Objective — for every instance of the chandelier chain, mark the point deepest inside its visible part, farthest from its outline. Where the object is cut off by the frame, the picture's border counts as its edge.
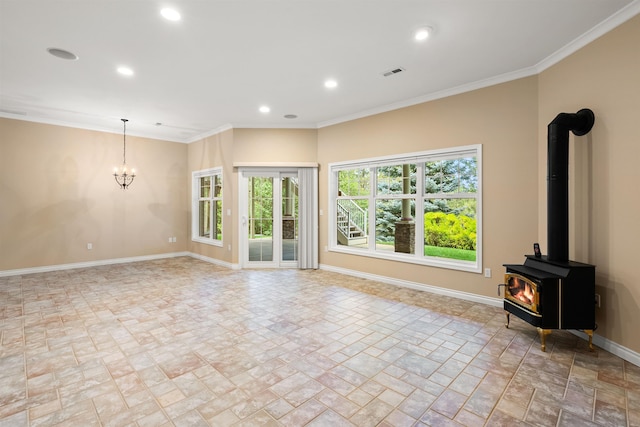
(123, 177)
(124, 141)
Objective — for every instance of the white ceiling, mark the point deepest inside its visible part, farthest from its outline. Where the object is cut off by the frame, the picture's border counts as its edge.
(224, 59)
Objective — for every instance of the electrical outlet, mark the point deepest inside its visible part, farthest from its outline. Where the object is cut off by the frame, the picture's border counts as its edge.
(487, 272)
(89, 246)
(597, 300)
(170, 240)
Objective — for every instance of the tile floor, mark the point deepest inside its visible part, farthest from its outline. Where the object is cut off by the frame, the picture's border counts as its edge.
(180, 342)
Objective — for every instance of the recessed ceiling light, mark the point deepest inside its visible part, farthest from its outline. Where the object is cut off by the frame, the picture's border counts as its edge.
(422, 33)
(330, 84)
(290, 116)
(125, 71)
(170, 14)
(62, 54)
(265, 109)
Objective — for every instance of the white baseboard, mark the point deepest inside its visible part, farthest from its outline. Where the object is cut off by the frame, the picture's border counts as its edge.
(495, 302)
(58, 267)
(612, 347)
(71, 266)
(214, 261)
(605, 344)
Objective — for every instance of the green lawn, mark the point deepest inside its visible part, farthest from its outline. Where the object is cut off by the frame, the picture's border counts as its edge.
(436, 251)
(461, 254)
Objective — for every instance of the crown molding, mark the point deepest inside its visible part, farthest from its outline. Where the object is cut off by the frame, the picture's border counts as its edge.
(615, 20)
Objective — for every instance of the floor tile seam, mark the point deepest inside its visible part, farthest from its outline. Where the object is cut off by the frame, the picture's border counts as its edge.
(95, 412)
(146, 389)
(530, 404)
(62, 409)
(566, 390)
(141, 381)
(28, 412)
(592, 419)
(513, 376)
(627, 409)
(560, 408)
(467, 397)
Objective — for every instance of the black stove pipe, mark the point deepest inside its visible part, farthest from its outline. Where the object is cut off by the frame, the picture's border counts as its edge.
(580, 124)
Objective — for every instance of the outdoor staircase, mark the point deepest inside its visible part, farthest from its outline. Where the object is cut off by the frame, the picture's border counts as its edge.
(350, 226)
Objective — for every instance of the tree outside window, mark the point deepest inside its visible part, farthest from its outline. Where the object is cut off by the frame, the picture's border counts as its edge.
(383, 209)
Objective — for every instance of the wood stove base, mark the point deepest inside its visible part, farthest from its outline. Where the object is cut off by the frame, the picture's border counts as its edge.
(544, 332)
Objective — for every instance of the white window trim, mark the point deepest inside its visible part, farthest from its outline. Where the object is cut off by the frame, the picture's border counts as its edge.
(195, 208)
(440, 154)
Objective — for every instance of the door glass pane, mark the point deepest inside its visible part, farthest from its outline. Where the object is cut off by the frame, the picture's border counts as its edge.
(260, 219)
(289, 218)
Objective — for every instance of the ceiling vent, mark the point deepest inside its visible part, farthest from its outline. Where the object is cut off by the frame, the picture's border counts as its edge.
(392, 72)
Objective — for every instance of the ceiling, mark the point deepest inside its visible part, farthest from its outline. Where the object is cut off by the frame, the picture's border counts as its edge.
(224, 59)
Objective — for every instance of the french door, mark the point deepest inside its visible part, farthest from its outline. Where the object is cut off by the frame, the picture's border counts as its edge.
(269, 232)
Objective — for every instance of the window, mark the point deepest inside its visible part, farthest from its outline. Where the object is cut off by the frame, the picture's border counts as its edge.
(206, 222)
(422, 208)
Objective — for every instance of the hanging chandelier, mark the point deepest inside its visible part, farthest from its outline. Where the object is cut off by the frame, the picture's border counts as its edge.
(122, 176)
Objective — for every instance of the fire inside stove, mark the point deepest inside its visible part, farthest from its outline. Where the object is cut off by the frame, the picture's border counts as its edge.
(522, 291)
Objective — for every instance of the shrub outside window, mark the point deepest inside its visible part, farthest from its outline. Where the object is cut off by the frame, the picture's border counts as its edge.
(206, 223)
(422, 208)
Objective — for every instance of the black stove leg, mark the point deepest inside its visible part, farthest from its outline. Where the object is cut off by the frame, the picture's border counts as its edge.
(543, 338)
(506, 325)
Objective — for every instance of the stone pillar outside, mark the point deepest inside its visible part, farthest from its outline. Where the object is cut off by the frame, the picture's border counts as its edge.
(288, 228)
(405, 237)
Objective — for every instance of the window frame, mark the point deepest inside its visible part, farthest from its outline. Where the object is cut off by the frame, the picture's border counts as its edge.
(419, 197)
(195, 205)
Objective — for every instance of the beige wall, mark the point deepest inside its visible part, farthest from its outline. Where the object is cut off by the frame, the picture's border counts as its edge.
(216, 151)
(275, 145)
(57, 194)
(504, 120)
(245, 146)
(604, 172)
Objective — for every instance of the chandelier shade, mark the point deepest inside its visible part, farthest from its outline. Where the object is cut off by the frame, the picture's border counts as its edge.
(122, 175)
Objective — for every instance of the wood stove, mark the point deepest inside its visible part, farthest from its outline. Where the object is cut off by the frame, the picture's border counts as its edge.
(552, 295)
(552, 292)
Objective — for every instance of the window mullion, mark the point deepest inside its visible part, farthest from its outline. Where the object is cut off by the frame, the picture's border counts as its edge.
(372, 208)
(419, 219)
(212, 224)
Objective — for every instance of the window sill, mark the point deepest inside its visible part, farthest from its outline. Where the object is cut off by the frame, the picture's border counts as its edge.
(468, 266)
(207, 241)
